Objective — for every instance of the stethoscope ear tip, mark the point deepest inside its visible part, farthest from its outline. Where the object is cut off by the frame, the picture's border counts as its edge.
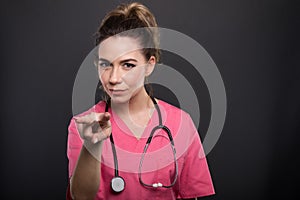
(156, 185)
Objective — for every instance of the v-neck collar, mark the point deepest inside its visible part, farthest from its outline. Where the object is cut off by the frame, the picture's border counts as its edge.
(120, 126)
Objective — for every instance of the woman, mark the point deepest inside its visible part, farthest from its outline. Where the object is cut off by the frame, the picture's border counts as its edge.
(140, 160)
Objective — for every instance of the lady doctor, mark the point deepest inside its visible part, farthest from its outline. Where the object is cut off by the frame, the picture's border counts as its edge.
(110, 156)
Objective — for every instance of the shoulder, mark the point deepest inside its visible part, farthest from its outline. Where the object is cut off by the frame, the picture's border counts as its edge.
(98, 107)
(171, 109)
(176, 119)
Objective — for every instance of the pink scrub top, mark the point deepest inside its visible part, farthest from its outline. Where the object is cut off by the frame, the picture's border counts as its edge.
(193, 179)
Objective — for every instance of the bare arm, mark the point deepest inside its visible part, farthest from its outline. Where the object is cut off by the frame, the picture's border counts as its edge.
(85, 181)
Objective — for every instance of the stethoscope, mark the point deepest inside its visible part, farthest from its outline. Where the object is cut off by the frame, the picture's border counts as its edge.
(117, 182)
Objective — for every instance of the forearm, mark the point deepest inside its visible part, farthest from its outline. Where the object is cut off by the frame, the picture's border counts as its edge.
(86, 178)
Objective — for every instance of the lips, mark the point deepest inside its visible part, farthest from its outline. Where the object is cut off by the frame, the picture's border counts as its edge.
(116, 91)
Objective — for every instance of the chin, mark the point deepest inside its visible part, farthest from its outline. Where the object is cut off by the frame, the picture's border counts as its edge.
(119, 99)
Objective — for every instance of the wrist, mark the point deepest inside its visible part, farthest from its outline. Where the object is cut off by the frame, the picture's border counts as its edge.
(95, 149)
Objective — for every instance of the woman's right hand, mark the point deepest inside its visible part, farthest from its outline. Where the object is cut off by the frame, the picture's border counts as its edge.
(94, 127)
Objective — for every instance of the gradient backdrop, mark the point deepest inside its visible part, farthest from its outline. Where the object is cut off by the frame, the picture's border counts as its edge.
(254, 43)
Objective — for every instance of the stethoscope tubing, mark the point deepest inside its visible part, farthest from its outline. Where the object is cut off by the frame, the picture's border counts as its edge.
(160, 126)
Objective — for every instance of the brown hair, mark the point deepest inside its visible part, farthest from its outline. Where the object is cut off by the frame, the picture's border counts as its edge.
(136, 17)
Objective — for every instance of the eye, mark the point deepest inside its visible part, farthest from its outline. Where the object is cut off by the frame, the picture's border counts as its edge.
(128, 65)
(104, 65)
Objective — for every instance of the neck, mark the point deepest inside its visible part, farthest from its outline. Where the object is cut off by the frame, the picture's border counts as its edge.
(136, 113)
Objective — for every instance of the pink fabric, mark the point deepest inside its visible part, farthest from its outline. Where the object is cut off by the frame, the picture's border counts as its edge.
(194, 178)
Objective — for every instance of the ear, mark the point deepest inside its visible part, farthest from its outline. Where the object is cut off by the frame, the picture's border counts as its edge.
(150, 65)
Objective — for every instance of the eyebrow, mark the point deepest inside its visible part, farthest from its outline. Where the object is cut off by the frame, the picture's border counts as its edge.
(122, 61)
(103, 60)
(128, 60)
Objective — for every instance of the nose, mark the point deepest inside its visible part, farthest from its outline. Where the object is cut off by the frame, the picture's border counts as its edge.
(115, 76)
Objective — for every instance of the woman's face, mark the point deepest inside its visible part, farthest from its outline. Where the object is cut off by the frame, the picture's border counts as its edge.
(122, 67)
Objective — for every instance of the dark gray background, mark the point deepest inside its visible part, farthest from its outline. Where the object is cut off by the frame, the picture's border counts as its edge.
(255, 44)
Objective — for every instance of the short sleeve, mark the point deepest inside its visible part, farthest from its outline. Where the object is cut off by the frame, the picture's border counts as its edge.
(195, 179)
(74, 146)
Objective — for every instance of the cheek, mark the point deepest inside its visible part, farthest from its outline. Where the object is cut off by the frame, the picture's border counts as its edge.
(135, 77)
(104, 77)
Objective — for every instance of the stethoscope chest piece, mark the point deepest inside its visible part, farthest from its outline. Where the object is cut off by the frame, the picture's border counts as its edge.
(117, 184)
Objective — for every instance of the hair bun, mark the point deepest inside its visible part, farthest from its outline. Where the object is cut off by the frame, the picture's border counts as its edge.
(138, 11)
